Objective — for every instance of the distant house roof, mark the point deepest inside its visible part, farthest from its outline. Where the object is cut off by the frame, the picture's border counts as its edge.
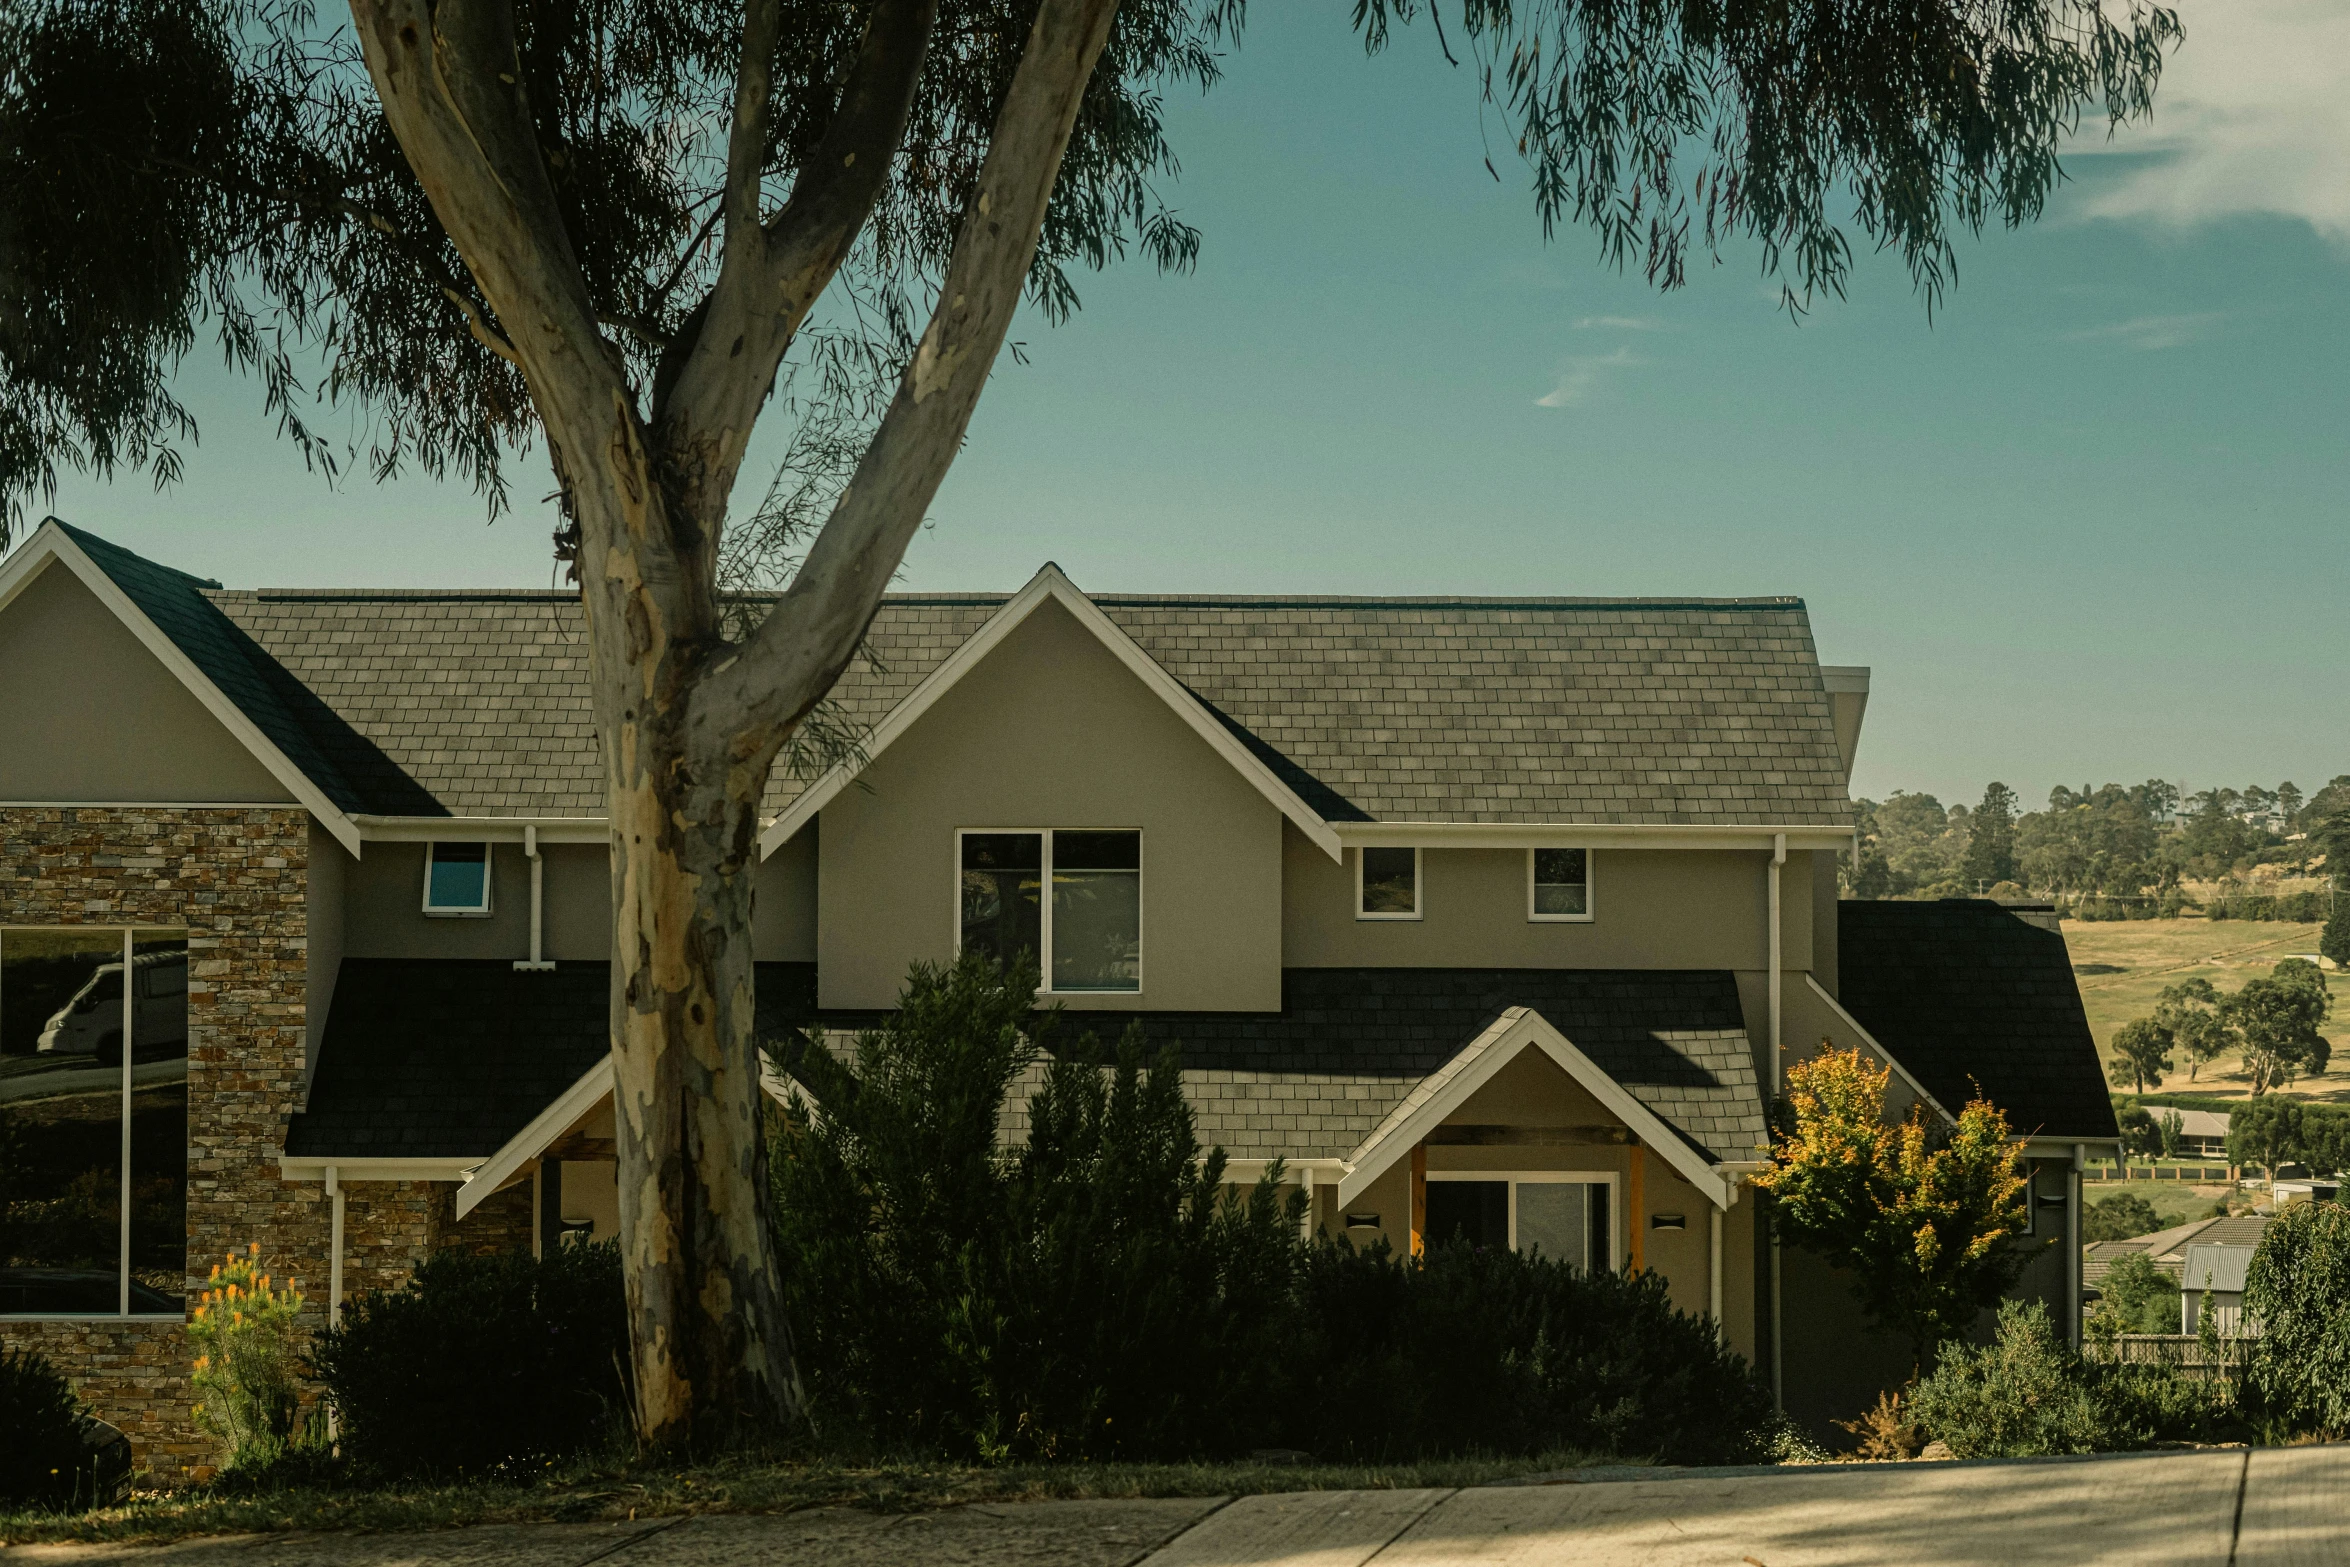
(2220, 1268)
(1587, 711)
(2168, 1248)
(2198, 1123)
(1972, 999)
(444, 1058)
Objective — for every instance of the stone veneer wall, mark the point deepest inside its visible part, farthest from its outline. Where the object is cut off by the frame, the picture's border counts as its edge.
(235, 878)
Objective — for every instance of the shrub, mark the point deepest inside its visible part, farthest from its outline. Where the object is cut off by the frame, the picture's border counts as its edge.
(2027, 1394)
(44, 1460)
(481, 1363)
(2121, 1217)
(1091, 1294)
(2135, 1296)
(2299, 1291)
(243, 1332)
(1494, 1351)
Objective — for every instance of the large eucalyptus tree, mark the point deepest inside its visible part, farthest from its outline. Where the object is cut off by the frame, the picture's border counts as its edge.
(630, 228)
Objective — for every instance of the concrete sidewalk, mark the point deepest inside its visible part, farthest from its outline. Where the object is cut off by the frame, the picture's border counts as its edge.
(2279, 1507)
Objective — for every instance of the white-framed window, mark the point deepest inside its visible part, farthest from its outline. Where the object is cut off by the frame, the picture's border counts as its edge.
(1558, 884)
(93, 1121)
(1387, 884)
(1086, 934)
(1567, 1215)
(457, 879)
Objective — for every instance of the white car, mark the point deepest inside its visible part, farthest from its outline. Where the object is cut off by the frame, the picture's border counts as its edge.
(91, 1023)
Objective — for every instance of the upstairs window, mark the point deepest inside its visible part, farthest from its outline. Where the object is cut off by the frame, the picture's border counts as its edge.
(457, 878)
(1387, 884)
(1087, 935)
(1559, 884)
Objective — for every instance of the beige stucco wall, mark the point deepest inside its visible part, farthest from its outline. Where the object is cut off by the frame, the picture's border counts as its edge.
(1051, 731)
(1823, 917)
(90, 716)
(783, 912)
(384, 906)
(1653, 908)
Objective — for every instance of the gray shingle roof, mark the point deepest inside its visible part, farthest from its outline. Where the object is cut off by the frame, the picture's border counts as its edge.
(1317, 1078)
(447, 1058)
(1489, 710)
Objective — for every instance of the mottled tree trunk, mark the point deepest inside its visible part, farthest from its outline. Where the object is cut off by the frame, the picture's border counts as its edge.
(690, 722)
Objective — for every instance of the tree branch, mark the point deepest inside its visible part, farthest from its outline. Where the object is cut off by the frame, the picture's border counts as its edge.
(800, 650)
(772, 273)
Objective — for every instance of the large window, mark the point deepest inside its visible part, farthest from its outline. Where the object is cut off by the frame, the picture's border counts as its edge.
(457, 878)
(1568, 1217)
(1387, 884)
(93, 1122)
(1086, 934)
(1558, 884)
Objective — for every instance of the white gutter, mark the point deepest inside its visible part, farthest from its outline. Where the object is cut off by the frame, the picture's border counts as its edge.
(538, 870)
(483, 829)
(1595, 835)
(1778, 1326)
(334, 1249)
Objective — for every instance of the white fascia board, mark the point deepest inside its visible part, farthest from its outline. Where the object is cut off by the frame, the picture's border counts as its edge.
(1510, 1035)
(51, 544)
(1845, 679)
(1878, 1050)
(374, 1169)
(1049, 583)
(594, 1084)
(483, 829)
(1584, 835)
(1238, 1172)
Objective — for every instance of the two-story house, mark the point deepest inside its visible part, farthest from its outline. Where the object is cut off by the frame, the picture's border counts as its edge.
(1486, 918)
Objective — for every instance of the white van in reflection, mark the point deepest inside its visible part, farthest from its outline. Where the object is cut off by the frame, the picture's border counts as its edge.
(91, 1023)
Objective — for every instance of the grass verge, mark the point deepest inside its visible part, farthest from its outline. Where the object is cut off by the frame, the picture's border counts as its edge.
(608, 1492)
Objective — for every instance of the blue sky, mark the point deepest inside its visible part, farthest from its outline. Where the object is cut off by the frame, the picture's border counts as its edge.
(2085, 524)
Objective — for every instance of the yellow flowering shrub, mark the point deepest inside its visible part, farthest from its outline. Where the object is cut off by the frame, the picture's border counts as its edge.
(243, 1329)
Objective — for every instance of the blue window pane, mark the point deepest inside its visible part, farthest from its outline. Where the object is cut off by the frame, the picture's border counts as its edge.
(459, 878)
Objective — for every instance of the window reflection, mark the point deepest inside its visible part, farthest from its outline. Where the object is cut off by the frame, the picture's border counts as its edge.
(69, 1068)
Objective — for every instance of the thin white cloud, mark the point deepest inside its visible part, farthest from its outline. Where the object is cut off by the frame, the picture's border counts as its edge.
(2152, 332)
(1583, 376)
(1618, 324)
(2253, 116)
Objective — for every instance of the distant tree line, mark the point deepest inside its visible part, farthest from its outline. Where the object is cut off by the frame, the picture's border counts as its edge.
(2110, 850)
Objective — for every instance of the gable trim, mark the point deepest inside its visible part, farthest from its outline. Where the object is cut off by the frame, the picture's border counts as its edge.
(51, 545)
(1049, 583)
(491, 1174)
(1587, 835)
(1503, 1041)
(1888, 1057)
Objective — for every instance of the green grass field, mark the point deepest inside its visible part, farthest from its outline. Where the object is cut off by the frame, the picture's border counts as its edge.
(2140, 957)
(2173, 1202)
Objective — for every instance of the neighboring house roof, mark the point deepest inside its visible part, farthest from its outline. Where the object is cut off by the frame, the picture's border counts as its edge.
(1974, 1000)
(1316, 1079)
(1528, 710)
(446, 1058)
(2220, 1268)
(2168, 1248)
(2196, 1123)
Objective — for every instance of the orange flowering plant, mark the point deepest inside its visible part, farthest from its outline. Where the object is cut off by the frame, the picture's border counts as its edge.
(1915, 1211)
(243, 1331)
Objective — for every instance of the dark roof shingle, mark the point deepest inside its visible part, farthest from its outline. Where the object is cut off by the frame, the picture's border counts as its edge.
(1967, 994)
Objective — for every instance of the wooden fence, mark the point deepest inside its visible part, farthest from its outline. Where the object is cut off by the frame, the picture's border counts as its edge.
(2185, 1352)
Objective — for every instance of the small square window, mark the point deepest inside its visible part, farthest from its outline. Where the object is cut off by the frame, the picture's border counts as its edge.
(1387, 884)
(1559, 884)
(457, 878)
